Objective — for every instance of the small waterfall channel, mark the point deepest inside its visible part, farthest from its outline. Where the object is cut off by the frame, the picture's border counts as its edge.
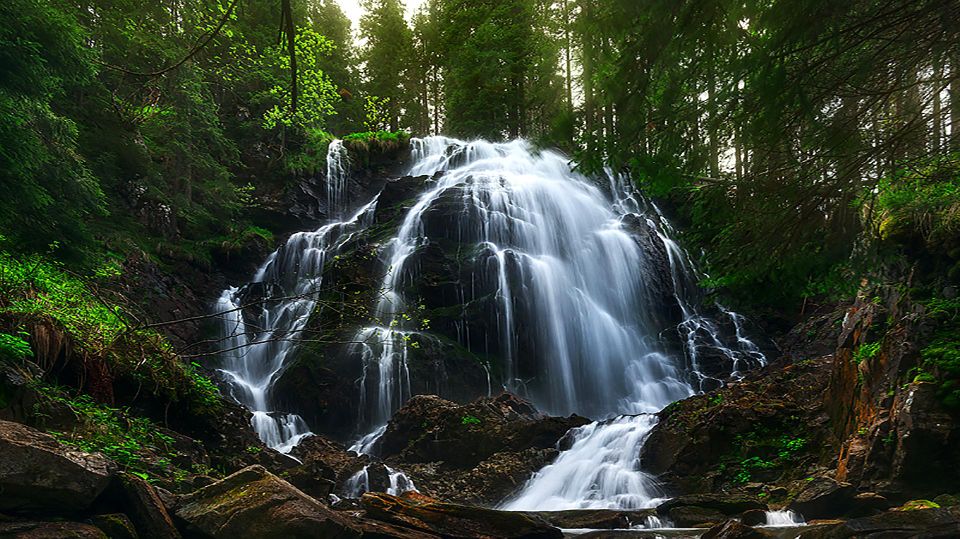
(262, 322)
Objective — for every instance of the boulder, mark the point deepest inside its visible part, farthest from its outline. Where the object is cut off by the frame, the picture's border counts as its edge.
(115, 526)
(146, 509)
(430, 429)
(727, 504)
(255, 503)
(695, 516)
(37, 473)
(50, 530)
(456, 521)
(868, 503)
(734, 529)
(823, 497)
(754, 517)
(488, 483)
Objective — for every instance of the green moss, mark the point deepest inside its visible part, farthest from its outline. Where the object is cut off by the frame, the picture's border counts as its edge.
(914, 505)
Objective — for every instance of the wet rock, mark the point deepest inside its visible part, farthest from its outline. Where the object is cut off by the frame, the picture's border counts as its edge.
(398, 190)
(696, 440)
(50, 530)
(322, 450)
(868, 503)
(599, 519)
(456, 521)
(146, 509)
(326, 466)
(726, 504)
(37, 473)
(823, 497)
(926, 523)
(733, 529)
(255, 503)
(754, 517)
(487, 483)
(694, 516)
(430, 429)
(115, 526)
(947, 500)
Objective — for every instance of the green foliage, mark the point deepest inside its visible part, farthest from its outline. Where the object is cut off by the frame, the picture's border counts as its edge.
(312, 156)
(135, 443)
(317, 94)
(921, 202)
(375, 112)
(763, 450)
(48, 193)
(387, 54)
(866, 352)
(940, 358)
(499, 65)
(14, 347)
(469, 420)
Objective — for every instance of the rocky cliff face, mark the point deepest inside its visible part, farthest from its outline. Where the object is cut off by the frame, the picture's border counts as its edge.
(846, 416)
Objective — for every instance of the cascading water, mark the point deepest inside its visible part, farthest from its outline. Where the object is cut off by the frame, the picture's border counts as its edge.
(576, 294)
(262, 322)
(582, 286)
(782, 519)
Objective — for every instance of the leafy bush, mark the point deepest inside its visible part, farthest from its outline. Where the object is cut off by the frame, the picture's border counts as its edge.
(940, 358)
(866, 352)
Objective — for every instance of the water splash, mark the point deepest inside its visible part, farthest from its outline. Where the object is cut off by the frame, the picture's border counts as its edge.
(784, 518)
(397, 482)
(599, 471)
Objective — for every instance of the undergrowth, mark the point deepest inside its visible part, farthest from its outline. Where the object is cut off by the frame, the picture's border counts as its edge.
(38, 292)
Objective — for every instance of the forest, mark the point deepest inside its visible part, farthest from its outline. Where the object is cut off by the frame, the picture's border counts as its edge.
(382, 262)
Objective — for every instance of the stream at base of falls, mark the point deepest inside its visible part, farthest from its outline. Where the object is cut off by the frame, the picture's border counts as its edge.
(595, 311)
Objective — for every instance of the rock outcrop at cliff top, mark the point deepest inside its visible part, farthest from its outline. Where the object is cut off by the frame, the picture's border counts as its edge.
(473, 453)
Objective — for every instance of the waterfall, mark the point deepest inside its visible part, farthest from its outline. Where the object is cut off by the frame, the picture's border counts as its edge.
(262, 322)
(574, 288)
(338, 163)
(555, 250)
(358, 483)
(592, 308)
